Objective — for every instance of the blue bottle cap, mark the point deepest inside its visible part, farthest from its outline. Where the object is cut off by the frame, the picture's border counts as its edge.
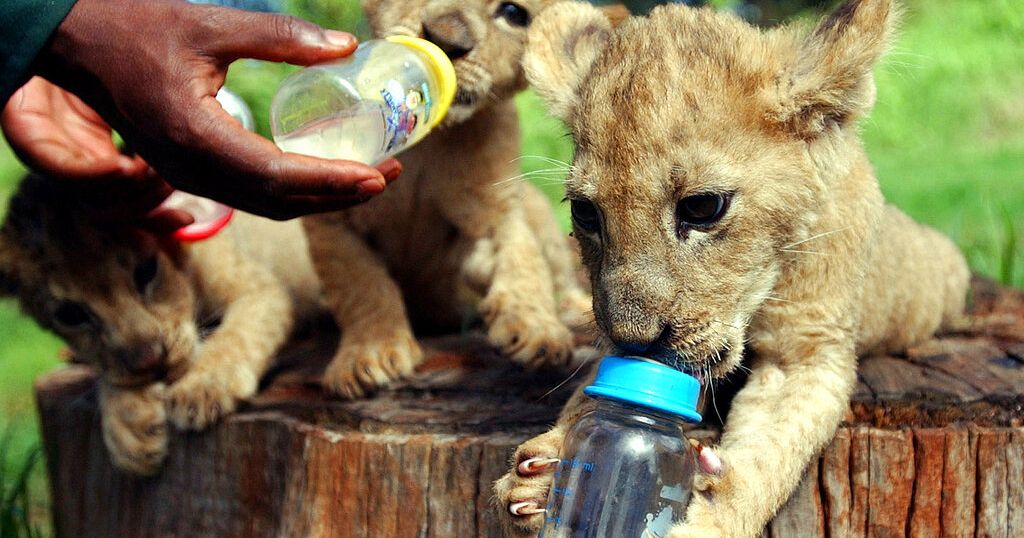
(648, 384)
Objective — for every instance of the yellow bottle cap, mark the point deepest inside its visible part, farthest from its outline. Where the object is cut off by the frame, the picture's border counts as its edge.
(442, 68)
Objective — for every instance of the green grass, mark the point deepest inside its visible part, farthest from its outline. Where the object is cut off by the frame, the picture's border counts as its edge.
(946, 138)
(546, 143)
(19, 510)
(26, 351)
(947, 133)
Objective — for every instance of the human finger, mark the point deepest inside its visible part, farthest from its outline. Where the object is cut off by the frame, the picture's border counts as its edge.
(231, 34)
(254, 167)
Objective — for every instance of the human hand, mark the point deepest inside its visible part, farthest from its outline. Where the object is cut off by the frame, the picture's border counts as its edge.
(152, 69)
(57, 134)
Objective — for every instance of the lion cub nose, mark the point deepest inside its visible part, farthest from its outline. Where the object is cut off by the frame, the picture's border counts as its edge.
(642, 341)
(144, 358)
(451, 33)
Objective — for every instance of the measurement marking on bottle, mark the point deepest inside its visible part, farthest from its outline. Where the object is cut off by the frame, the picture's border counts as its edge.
(587, 466)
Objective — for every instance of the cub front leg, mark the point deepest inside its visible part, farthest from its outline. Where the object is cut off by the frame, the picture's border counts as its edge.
(258, 315)
(521, 495)
(786, 413)
(134, 425)
(519, 305)
(377, 342)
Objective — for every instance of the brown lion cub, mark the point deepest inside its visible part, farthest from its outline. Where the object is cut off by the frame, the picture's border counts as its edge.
(452, 238)
(721, 196)
(134, 305)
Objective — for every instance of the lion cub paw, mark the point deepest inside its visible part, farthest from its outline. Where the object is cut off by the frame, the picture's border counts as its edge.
(362, 367)
(702, 521)
(527, 334)
(135, 428)
(521, 495)
(687, 530)
(202, 397)
(706, 516)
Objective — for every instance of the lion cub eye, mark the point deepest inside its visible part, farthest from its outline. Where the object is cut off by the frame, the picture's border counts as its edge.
(515, 14)
(145, 273)
(73, 315)
(585, 215)
(701, 210)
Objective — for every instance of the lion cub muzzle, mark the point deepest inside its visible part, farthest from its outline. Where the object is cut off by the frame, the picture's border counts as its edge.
(450, 32)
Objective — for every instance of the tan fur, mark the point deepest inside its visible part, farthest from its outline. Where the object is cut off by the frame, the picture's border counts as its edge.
(808, 266)
(452, 238)
(255, 277)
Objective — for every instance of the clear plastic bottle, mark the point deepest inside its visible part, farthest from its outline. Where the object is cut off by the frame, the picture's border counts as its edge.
(371, 105)
(626, 467)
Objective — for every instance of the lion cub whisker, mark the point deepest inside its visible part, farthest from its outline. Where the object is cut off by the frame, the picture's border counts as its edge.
(558, 173)
(544, 158)
(816, 236)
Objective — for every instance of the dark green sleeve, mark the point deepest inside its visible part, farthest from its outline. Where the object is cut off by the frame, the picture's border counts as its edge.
(25, 27)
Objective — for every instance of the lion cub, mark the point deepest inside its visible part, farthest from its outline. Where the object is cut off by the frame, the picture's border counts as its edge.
(135, 306)
(721, 197)
(452, 238)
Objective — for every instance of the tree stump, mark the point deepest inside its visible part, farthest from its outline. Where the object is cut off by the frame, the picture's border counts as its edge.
(933, 446)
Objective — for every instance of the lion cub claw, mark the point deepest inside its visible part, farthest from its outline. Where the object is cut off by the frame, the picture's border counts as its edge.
(135, 427)
(522, 493)
(362, 367)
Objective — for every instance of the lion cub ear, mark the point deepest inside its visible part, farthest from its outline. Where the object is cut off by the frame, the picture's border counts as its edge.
(564, 41)
(831, 82)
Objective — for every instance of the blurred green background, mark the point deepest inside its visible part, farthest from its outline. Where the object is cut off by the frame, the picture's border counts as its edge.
(946, 137)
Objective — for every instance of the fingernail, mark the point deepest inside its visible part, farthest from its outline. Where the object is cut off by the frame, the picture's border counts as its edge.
(525, 508)
(127, 166)
(370, 186)
(390, 170)
(341, 39)
(533, 466)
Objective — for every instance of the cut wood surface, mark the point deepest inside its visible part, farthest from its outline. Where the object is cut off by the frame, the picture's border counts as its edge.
(933, 445)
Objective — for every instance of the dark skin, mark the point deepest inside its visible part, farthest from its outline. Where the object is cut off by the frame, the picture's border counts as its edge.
(151, 70)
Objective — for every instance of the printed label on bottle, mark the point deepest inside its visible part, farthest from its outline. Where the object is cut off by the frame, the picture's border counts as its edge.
(401, 118)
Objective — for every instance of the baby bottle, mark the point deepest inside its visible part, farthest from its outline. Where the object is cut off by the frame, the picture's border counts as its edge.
(626, 468)
(371, 105)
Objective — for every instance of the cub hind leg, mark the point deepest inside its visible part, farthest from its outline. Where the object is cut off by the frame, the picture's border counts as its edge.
(916, 285)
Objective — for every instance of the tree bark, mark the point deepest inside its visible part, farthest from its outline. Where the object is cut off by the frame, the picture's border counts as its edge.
(933, 446)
